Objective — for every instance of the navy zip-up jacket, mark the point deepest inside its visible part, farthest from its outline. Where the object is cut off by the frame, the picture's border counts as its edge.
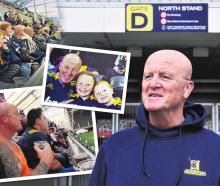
(185, 155)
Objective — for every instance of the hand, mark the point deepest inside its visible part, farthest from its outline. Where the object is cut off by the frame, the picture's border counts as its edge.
(116, 69)
(46, 155)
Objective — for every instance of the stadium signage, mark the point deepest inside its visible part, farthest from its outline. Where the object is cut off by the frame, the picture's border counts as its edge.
(167, 17)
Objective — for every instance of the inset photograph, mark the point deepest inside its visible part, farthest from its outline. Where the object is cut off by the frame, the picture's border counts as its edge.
(85, 78)
(23, 40)
(43, 141)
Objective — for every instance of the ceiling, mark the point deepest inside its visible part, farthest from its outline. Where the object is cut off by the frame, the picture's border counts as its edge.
(143, 39)
(149, 42)
(24, 99)
(205, 69)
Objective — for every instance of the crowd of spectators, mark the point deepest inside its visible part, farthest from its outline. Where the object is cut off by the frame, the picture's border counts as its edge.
(17, 7)
(104, 125)
(22, 46)
(38, 128)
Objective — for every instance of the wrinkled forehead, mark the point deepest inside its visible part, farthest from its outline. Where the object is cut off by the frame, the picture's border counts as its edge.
(169, 60)
(8, 108)
(70, 62)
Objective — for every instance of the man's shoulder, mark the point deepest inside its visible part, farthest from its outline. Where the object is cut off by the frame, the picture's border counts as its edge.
(52, 75)
(122, 138)
(211, 135)
(10, 163)
(205, 138)
(32, 134)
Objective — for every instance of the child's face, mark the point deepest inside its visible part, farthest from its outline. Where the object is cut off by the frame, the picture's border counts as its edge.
(103, 93)
(84, 85)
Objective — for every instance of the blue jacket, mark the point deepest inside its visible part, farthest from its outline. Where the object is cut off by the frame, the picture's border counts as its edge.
(57, 92)
(26, 143)
(185, 155)
(77, 100)
(116, 105)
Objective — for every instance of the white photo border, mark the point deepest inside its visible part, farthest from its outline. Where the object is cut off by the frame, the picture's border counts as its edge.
(127, 54)
(56, 175)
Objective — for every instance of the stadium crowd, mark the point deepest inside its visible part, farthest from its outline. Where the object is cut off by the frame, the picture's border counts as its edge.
(20, 138)
(22, 46)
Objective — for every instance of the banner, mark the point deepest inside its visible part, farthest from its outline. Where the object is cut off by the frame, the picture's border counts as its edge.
(167, 17)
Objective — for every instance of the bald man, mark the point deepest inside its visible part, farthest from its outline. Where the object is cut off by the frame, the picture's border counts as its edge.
(60, 84)
(12, 158)
(169, 146)
(32, 47)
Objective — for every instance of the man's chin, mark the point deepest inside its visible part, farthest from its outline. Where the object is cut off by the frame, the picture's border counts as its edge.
(18, 129)
(152, 108)
(65, 81)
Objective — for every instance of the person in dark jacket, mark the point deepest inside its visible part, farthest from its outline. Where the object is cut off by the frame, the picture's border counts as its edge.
(60, 85)
(36, 131)
(8, 69)
(13, 54)
(169, 146)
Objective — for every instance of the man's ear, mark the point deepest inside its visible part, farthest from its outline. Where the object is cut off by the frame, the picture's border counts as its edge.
(188, 89)
(60, 65)
(37, 122)
(3, 118)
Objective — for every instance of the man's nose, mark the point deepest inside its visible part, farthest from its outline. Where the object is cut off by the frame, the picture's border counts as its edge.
(68, 71)
(155, 82)
(20, 117)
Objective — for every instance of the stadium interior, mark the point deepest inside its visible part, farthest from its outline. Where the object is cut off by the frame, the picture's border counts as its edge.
(25, 34)
(203, 49)
(72, 128)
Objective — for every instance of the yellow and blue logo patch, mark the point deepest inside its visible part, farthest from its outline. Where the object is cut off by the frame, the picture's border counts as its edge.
(194, 169)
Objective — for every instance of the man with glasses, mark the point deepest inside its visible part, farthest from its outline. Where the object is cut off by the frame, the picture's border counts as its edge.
(169, 146)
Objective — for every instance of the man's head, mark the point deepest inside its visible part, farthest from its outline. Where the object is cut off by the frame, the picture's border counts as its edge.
(69, 68)
(10, 119)
(36, 119)
(12, 13)
(19, 31)
(29, 31)
(166, 81)
(85, 83)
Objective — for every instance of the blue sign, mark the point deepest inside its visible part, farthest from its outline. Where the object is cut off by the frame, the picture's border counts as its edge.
(167, 17)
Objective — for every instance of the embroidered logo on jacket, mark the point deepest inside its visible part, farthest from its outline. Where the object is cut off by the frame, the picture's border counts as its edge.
(194, 169)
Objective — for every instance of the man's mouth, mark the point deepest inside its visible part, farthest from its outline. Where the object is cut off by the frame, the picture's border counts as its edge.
(154, 95)
(66, 76)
